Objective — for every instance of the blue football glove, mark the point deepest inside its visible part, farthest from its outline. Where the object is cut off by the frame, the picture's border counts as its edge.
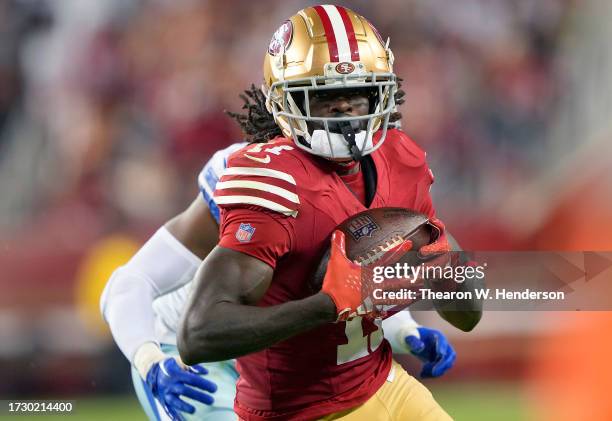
(168, 381)
(433, 349)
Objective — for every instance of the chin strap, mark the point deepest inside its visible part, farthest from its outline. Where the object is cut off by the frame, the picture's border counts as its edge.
(349, 135)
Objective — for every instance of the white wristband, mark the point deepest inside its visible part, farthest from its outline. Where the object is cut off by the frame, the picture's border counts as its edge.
(396, 328)
(146, 355)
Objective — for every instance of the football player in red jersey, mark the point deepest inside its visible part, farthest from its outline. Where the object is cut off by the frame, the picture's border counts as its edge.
(330, 89)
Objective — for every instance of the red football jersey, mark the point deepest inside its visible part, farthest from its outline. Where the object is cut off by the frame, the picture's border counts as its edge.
(336, 366)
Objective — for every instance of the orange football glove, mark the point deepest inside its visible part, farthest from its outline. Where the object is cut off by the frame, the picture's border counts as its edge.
(437, 253)
(349, 284)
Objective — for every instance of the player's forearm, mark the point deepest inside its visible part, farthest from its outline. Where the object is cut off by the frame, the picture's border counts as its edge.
(161, 265)
(126, 306)
(464, 314)
(228, 330)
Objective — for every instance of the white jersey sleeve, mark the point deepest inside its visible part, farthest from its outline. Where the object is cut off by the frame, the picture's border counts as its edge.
(168, 308)
(161, 265)
(143, 300)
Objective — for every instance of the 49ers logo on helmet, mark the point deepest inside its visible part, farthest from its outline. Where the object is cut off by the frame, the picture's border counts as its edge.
(345, 68)
(281, 38)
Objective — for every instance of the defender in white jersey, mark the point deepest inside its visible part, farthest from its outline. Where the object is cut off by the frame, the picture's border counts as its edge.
(143, 303)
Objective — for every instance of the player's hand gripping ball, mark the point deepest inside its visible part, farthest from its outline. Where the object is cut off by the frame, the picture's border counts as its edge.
(348, 283)
(375, 237)
(437, 252)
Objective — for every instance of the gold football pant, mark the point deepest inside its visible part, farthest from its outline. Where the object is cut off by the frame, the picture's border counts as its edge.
(401, 398)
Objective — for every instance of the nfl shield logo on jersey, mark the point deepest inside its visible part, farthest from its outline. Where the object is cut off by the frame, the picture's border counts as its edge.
(245, 233)
(362, 226)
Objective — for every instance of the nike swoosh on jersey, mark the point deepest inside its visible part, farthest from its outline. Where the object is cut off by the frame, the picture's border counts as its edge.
(265, 160)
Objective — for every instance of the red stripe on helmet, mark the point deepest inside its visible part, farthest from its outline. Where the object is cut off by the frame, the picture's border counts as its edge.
(329, 33)
(350, 33)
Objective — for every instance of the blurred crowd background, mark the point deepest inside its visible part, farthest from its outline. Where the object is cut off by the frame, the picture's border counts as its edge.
(108, 109)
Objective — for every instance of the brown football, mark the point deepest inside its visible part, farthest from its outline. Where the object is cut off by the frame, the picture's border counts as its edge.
(371, 232)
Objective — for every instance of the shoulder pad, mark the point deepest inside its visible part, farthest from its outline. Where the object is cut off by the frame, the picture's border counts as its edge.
(403, 147)
(259, 175)
(210, 174)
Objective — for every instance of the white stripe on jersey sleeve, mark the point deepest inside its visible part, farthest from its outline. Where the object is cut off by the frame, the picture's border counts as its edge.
(264, 172)
(252, 200)
(257, 185)
(344, 50)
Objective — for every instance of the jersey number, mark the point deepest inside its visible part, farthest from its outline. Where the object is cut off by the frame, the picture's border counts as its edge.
(360, 343)
(275, 150)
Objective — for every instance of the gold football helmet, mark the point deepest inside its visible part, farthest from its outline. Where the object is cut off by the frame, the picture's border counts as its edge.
(328, 48)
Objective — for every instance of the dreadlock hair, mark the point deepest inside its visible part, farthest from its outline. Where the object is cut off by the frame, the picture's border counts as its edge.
(396, 116)
(259, 125)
